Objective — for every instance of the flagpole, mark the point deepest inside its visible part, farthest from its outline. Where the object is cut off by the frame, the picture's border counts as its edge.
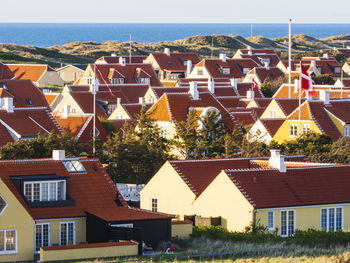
(130, 50)
(341, 80)
(94, 120)
(290, 58)
(300, 101)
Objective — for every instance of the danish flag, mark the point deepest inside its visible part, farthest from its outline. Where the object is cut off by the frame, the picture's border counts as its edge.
(306, 80)
(255, 85)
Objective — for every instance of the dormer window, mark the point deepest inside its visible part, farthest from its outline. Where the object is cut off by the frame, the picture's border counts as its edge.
(29, 102)
(117, 81)
(143, 80)
(337, 70)
(246, 70)
(226, 71)
(74, 166)
(347, 130)
(169, 62)
(319, 69)
(39, 191)
(4, 86)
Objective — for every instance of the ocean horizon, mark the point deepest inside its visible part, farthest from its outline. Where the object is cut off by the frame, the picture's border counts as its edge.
(52, 34)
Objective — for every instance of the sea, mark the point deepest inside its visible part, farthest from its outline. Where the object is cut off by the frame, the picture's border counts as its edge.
(51, 34)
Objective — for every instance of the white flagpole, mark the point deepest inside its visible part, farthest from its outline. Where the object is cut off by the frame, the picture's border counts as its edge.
(290, 58)
(300, 101)
(341, 79)
(94, 120)
(130, 51)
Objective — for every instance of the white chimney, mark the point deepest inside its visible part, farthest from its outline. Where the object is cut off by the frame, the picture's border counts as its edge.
(167, 51)
(325, 55)
(313, 65)
(296, 85)
(277, 161)
(250, 94)
(250, 52)
(94, 86)
(348, 47)
(234, 83)
(58, 155)
(113, 54)
(267, 65)
(122, 61)
(211, 87)
(324, 96)
(119, 101)
(223, 57)
(8, 104)
(142, 101)
(189, 67)
(194, 90)
(66, 111)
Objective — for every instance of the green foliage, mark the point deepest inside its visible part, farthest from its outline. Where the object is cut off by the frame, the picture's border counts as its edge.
(324, 79)
(42, 147)
(270, 86)
(108, 125)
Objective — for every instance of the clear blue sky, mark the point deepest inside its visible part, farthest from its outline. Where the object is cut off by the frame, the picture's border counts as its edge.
(176, 11)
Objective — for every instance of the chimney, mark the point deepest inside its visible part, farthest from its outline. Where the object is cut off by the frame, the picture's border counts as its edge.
(250, 94)
(250, 52)
(313, 65)
(267, 65)
(122, 61)
(58, 155)
(324, 96)
(277, 161)
(348, 47)
(296, 85)
(66, 111)
(8, 104)
(167, 51)
(94, 86)
(113, 55)
(189, 67)
(223, 57)
(194, 90)
(119, 101)
(325, 55)
(211, 87)
(234, 83)
(142, 101)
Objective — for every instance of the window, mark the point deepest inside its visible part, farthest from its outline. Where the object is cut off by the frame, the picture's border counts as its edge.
(163, 133)
(143, 80)
(74, 166)
(337, 70)
(347, 130)
(270, 220)
(45, 191)
(154, 204)
(319, 69)
(8, 241)
(287, 223)
(97, 132)
(29, 101)
(200, 72)
(117, 81)
(67, 233)
(89, 81)
(74, 110)
(332, 218)
(293, 130)
(3, 204)
(42, 236)
(226, 71)
(273, 114)
(246, 70)
(111, 107)
(306, 128)
(258, 132)
(4, 86)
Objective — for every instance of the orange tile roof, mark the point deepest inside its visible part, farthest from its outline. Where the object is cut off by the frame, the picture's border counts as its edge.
(50, 97)
(160, 110)
(73, 123)
(31, 72)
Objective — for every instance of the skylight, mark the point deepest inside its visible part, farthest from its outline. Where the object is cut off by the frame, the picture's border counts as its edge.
(74, 166)
(29, 101)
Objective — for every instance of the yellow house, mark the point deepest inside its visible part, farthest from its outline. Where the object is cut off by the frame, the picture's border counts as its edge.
(68, 204)
(128, 111)
(71, 73)
(346, 68)
(273, 192)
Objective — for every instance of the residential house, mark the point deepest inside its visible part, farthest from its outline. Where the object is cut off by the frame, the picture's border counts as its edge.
(252, 52)
(71, 73)
(346, 68)
(66, 208)
(122, 74)
(260, 74)
(40, 75)
(129, 111)
(343, 51)
(172, 66)
(114, 59)
(342, 83)
(225, 68)
(24, 112)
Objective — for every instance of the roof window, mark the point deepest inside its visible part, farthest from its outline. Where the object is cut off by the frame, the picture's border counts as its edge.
(169, 62)
(4, 86)
(74, 166)
(29, 102)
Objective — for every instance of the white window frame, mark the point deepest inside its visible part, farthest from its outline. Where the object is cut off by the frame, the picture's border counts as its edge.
(157, 209)
(49, 236)
(9, 252)
(200, 72)
(59, 238)
(293, 130)
(273, 114)
(287, 222)
(226, 71)
(48, 190)
(273, 220)
(347, 130)
(130, 225)
(305, 128)
(6, 204)
(335, 217)
(246, 70)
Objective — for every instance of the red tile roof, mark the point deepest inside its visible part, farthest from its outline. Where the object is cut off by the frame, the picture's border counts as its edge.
(259, 51)
(243, 87)
(175, 62)
(5, 72)
(134, 109)
(91, 245)
(274, 58)
(92, 191)
(272, 72)
(115, 59)
(272, 125)
(31, 72)
(265, 188)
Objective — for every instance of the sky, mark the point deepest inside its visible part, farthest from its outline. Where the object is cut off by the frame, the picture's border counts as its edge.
(176, 11)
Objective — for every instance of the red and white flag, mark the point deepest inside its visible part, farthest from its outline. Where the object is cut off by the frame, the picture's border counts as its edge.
(306, 80)
(255, 85)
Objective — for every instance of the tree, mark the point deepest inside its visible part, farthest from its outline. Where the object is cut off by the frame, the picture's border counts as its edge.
(324, 79)
(270, 86)
(233, 141)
